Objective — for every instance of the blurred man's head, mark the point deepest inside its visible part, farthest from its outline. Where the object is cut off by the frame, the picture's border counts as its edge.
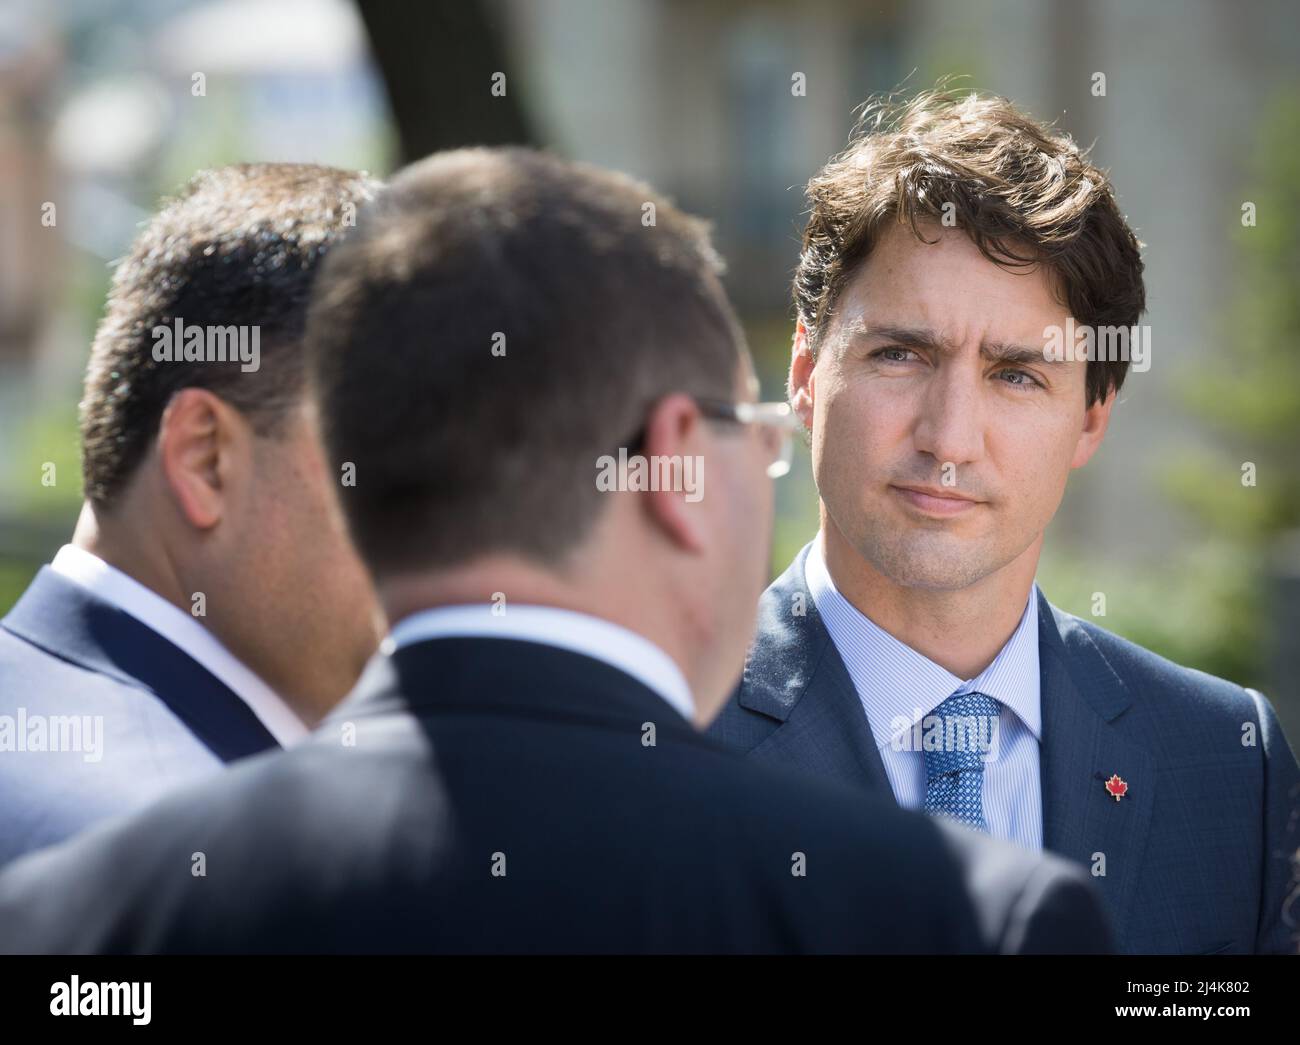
(500, 323)
(201, 469)
(942, 247)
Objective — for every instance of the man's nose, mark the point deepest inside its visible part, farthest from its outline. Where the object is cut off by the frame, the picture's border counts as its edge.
(950, 426)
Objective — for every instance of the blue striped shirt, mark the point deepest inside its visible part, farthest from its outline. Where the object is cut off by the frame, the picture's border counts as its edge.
(898, 687)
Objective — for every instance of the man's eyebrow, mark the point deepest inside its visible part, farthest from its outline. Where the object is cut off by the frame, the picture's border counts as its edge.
(923, 337)
(914, 337)
(1005, 352)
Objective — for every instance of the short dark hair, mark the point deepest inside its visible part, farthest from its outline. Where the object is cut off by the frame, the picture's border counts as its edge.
(607, 297)
(1023, 193)
(238, 246)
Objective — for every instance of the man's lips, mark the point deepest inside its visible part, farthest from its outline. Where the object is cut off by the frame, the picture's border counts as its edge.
(936, 502)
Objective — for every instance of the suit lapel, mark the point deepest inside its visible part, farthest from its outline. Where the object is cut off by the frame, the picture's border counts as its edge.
(1082, 697)
(795, 675)
(64, 619)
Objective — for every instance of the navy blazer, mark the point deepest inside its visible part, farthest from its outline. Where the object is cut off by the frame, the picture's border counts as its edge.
(482, 795)
(75, 667)
(1198, 855)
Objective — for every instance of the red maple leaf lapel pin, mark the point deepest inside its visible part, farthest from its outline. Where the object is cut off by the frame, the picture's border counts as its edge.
(1115, 787)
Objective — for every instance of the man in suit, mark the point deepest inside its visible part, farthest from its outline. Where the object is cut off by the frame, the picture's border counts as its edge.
(166, 639)
(946, 250)
(521, 770)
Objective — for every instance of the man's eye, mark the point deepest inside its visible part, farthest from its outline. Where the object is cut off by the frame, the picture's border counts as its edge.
(893, 355)
(1027, 378)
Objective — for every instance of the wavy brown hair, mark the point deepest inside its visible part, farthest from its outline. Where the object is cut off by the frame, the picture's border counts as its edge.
(1024, 194)
(238, 245)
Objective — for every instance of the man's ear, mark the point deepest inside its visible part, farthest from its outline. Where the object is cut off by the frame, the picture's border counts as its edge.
(801, 390)
(674, 432)
(199, 438)
(1096, 419)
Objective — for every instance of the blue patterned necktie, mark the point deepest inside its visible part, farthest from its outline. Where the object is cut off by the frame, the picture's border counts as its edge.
(954, 774)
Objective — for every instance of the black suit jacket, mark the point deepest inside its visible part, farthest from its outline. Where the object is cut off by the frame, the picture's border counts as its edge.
(486, 795)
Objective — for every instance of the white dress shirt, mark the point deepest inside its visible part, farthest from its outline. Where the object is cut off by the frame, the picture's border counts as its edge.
(182, 630)
(896, 683)
(565, 629)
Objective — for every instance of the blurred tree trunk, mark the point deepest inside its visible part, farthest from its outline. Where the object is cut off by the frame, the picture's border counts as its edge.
(437, 59)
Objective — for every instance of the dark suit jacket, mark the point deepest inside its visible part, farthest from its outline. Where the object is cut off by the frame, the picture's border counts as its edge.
(1197, 854)
(67, 655)
(491, 795)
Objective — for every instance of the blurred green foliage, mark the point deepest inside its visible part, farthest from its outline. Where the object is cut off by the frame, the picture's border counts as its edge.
(1209, 608)
(1251, 398)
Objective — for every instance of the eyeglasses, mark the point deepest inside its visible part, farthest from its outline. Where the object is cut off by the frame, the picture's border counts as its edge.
(777, 421)
(777, 424)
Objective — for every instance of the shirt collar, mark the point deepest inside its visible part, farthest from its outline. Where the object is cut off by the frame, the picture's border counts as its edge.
(566, 629)
(897, 684)
(179, 628)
